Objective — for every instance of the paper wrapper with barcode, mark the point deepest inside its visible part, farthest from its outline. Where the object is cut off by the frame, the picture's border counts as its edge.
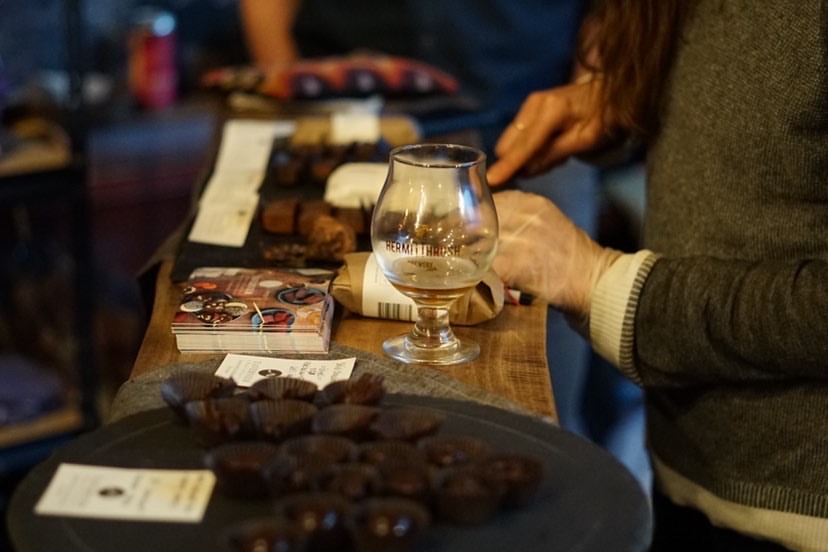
(361, 287)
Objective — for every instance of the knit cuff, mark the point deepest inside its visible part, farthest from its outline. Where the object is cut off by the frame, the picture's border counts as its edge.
(612, 309)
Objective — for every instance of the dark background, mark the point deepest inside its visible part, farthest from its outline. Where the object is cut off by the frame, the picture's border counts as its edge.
(140, 169)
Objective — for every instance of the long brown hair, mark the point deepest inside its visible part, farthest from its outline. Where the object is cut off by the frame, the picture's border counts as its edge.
(629, 44)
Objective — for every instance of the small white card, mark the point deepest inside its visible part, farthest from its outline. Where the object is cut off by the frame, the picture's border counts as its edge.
(352, 127)
(176, 496)
(246, 144)
(225, 223)
(246, 370)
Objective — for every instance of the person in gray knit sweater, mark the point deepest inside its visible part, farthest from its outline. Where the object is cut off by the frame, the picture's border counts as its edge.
(723, 317)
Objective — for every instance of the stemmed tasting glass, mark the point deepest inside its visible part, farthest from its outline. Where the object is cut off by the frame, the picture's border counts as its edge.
(434, 235)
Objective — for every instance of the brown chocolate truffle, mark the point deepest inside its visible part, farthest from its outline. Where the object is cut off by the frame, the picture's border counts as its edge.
(264, 534)
(518, 474)
(366, 389)
(407, 423)
(282, 388)
(322, 516)
(239, 467)
(279, 216)
(178, 389)
(347, 420)
(388, 451)
(406, 480)
(339, 449)
(467, 497)
(354, 481)
(330, 239)
(217, 421)
(289, 473)
(281, 419)
(389, 525)
(444, 451)
(309, 212)
(355, 218)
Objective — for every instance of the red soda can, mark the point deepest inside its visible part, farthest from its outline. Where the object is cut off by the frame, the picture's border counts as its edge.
(153, 75)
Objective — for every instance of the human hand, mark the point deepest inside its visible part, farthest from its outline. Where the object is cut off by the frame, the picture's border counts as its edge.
(551, 126)
(542, 252)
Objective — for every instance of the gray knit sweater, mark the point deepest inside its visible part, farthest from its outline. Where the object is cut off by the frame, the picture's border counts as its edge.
(731, 328)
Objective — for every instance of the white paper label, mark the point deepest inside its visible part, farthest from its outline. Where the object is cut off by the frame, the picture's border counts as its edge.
(231, 195)
(246, 370)
(382, 300)
(78, 490)
(232, 184)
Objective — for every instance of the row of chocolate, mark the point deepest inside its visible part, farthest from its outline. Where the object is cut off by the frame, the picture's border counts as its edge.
(340, 465)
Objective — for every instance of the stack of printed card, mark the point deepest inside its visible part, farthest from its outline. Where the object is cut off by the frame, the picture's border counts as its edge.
(255, 310)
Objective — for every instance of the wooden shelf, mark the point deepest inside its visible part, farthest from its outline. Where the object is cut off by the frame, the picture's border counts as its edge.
(63, 421)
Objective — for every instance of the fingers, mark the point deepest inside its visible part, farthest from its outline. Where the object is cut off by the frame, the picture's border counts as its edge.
(578, 139)
(538, 118)
(524, 119)
(551, 126)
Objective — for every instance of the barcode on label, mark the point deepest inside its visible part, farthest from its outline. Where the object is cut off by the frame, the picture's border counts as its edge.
(396, 311)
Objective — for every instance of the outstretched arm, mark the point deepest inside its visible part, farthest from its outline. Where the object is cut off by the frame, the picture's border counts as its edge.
(267, 27)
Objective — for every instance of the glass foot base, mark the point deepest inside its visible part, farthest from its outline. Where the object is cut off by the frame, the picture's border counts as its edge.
(404, 349)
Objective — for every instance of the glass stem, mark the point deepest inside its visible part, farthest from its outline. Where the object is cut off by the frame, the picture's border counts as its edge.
(432, 329)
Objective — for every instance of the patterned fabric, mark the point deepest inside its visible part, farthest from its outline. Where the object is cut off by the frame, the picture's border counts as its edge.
(356, 75)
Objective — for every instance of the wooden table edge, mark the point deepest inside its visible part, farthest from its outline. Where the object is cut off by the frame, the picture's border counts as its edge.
(513, 360)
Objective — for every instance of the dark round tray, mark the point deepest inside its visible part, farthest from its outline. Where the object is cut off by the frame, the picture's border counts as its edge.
(588, 501)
